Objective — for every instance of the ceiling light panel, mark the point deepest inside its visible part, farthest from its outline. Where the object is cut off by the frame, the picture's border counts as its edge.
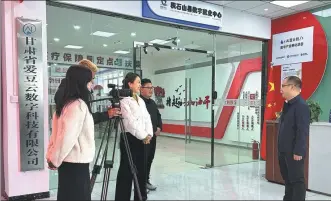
(160, 42)
(103, 34)
(288, 4)
(121, 52)
(73, 47)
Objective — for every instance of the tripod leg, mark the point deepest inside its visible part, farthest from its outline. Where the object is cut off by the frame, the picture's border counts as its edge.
(105, 184)
(97, 167)
(132, 166)
(108, 164)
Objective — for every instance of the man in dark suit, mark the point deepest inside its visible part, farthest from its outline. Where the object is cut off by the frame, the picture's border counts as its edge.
(292, 139)
(146, 93)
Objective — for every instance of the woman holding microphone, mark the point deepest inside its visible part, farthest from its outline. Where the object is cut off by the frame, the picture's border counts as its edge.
(139, 131)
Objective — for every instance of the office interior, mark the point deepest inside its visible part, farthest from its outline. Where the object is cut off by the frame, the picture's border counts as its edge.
(104, 37)
(184, 149)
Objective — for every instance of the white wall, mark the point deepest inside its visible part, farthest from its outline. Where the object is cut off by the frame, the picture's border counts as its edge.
(201, 86)
(234, 21)
(16, 182)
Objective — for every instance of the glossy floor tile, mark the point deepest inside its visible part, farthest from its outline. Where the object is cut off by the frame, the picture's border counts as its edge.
(178, 179)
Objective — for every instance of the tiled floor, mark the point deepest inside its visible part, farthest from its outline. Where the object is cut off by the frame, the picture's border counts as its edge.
(179, 180)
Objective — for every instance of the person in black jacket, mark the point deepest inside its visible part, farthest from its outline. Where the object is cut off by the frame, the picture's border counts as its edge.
(292, 139)
(146, 92)
(98, 117)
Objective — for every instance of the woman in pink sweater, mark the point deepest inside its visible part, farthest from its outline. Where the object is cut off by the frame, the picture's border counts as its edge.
(72, 144)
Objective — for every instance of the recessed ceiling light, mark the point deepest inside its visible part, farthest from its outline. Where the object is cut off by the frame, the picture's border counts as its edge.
(73, 47)
(105, 45)
(133, 34)
(103, 34)
(56, 39)
(288, 4)
(76, 27)
(266, 9)
(158, 41)
(121, 52)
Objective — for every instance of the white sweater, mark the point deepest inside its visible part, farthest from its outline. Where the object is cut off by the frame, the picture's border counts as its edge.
(136, 118)
(72, 138)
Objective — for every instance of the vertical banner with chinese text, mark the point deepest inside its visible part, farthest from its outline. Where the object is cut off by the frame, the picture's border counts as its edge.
(31, 93)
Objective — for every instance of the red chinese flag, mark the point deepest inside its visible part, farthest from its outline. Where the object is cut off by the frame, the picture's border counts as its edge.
(269, 113)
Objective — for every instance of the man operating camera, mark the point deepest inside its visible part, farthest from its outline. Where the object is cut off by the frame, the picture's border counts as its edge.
(98, 117)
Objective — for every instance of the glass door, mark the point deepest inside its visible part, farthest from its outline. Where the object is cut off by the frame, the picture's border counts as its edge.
(198, 108)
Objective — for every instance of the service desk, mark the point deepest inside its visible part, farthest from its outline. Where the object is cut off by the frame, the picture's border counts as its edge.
(317, 162)
(272, 166)
(320, 157)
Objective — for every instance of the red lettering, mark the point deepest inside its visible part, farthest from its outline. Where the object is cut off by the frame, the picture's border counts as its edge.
(206, 101)
(199, 102)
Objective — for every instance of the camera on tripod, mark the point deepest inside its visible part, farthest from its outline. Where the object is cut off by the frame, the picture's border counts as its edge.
(117, 94)
(116, 123)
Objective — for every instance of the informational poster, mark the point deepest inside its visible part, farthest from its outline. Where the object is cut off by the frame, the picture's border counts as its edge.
(31, 94)
(291, 70)
(293, 46)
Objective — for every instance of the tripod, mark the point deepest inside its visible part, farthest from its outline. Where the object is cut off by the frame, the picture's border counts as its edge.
(109, 163)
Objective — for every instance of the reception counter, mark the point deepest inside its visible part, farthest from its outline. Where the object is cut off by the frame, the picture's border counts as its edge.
(320, 157)
(318, 160)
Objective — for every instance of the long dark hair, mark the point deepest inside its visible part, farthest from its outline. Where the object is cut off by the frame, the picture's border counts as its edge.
(130, 77)
(75, 88)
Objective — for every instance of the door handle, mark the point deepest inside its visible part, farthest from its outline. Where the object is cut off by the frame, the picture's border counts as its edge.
(189, 109)
(186, 129)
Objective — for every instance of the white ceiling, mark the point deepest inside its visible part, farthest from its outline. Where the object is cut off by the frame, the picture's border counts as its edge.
(274, 11)
(60, 22)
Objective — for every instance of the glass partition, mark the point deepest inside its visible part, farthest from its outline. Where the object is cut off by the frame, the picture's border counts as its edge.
(182, 80)
(238, 83)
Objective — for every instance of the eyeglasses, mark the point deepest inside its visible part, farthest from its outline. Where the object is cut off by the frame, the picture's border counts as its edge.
(150, 88)
(286, 85)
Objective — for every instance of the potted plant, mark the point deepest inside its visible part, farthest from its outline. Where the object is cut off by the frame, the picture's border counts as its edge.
(315, 110)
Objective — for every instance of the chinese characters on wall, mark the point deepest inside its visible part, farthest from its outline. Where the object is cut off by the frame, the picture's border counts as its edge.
(189, 9)
(53, 83)
(177, 101)
(251, 101)
(293, 46)
(291, 42)
(100, 60)
(31, 93)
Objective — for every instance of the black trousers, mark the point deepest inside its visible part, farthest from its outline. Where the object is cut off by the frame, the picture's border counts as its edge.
(125, 176)
(73, 181)
(150, 155)
(292, 172)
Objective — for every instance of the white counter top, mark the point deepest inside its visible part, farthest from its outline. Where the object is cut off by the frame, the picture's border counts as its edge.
(319, 178)
(320, 124)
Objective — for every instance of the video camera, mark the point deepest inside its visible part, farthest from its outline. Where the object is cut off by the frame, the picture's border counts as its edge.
(115, 95)
(119, 93)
